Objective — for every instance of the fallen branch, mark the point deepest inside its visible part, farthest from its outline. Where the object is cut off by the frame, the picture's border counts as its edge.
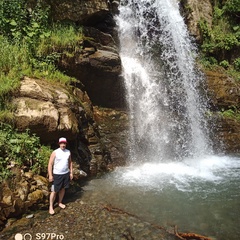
(110, 208)
(186, 236)
(182, 236)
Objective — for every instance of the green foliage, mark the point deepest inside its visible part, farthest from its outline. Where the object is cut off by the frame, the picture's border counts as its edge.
(30, 46)
(224, 64)
(218, 40)
(14, 57)
(19, 22)
(13, 62)
(232, 113)
(21, 149)
(13, 18)
(51, 74)
(232, 8)
(237, 64)
(205, 31)
(61, 38)
(221, 41)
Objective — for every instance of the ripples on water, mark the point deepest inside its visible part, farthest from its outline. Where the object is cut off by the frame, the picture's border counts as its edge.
(199, 195)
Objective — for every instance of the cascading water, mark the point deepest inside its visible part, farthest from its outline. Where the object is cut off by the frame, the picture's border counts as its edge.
(174, 177)
(167, 110)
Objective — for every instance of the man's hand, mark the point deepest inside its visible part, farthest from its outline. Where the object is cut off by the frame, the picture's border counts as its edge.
(71, 176)
(50, 178)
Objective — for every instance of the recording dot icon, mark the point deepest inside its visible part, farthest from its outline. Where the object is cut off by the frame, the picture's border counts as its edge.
(18, 236)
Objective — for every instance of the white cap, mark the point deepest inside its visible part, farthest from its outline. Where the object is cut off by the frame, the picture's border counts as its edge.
(62, 140)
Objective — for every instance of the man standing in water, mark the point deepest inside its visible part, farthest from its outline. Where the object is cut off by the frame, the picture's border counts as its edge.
(60, 172)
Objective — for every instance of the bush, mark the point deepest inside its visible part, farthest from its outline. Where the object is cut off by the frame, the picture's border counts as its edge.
(224, 64)
(19, 22)
(232, 113)
(232, 8)
(221, 40)
(236, 64)
(21, 149)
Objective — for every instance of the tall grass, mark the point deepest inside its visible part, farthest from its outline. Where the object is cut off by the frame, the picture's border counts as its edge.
(62, 38)
(19, 59)
(13, 61)
(14, 57)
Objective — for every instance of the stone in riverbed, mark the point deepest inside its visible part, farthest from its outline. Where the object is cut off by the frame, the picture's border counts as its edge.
(30, 216)
(36, 196)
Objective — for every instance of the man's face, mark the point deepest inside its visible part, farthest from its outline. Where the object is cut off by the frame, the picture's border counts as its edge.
(62, 145)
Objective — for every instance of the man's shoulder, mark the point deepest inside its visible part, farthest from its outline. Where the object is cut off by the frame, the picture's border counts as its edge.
(62, 150)
(56, 150)
(66, 150)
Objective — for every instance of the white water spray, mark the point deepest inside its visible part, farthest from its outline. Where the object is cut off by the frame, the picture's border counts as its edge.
(163, 87)
(174, 174)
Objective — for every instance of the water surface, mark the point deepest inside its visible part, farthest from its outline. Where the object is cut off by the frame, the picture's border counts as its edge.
(197, 195)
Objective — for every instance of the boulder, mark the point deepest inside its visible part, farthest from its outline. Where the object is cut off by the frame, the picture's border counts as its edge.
(53, 110)
(17, 197)
(36, 196)
(49, 110)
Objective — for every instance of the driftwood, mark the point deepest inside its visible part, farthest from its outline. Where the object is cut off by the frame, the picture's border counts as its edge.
(182, 236)
(189, 236)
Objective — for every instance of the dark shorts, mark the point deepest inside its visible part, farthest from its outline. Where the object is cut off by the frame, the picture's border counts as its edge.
(60, 181)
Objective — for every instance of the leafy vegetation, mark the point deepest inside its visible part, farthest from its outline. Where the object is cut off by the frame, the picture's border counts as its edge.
(220, 43)
(21, 149)
(231, 113)
(30, 45)
(62, 39)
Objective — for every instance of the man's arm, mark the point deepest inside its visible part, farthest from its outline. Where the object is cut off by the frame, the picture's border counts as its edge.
(50, 166)
(70, 167)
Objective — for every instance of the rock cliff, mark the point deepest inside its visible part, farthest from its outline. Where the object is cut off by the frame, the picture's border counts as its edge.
(194, 11)
(224, 91)
(52, 111)
(98, 67)
(224, 94)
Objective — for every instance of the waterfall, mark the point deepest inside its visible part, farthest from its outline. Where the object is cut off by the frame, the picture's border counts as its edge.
(165, 91)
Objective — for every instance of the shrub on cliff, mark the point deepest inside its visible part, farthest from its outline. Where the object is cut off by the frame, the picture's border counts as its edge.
(221, 41)
(31, 46)
(21, 150)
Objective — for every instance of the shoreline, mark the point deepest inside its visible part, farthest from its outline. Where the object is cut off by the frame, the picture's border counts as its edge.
(85, 219)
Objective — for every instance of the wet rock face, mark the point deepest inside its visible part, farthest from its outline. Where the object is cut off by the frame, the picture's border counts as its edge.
(113, 126)
(224, 91)
(194, 11)
(98, 67)
(228, 131)
(224, 94)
